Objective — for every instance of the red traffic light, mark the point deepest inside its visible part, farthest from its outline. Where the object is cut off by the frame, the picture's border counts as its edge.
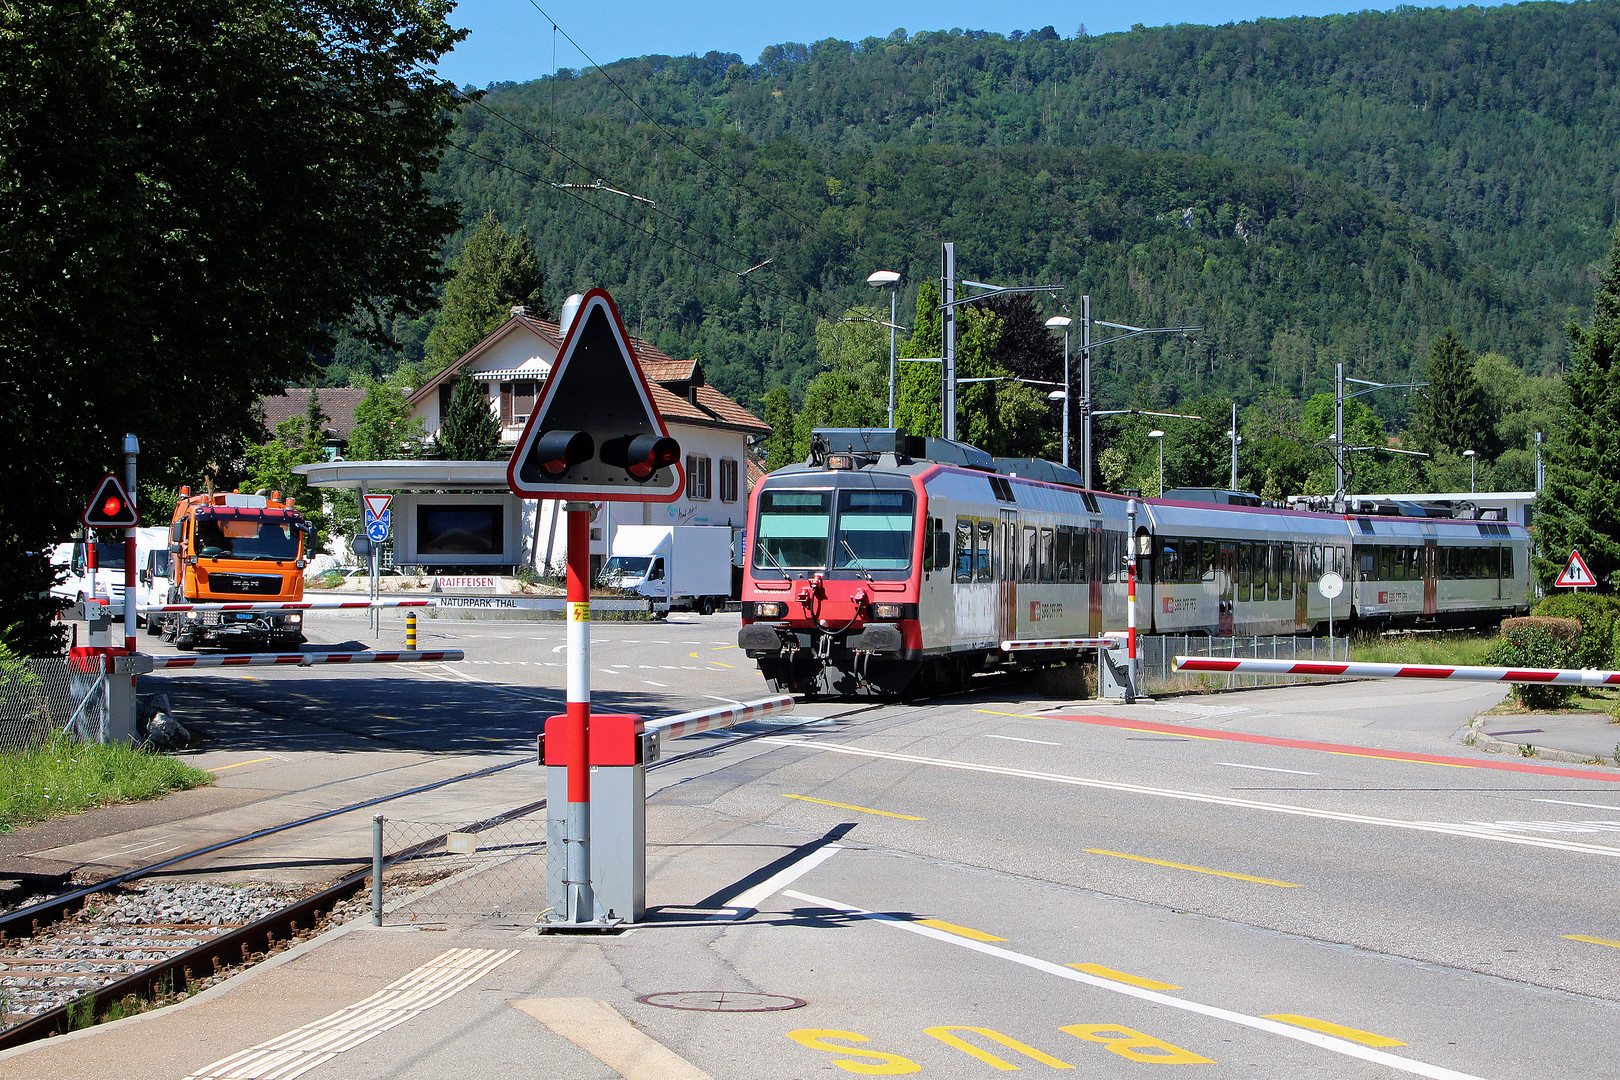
(558, 451)
(641, 455)
(111, 507)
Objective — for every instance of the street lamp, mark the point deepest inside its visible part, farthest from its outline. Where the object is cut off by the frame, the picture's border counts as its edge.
(1159, 435)
(1472, 457)
(1056, 322)
(878, 279)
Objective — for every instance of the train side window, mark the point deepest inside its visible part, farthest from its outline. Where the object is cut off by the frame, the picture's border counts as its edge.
(1273, 572)
(1244, 570)
(984, 572)
(1507, 563)
(964, 549)
(1167, 568)
(1031, 555)
(1113, 552)
(1048, 556)
(1206, 561)
(1064, 547)
(1316, 562)
(1082, 555)
(1287, 571)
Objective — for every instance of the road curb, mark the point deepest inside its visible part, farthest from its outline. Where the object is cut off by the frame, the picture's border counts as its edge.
(1481, 740)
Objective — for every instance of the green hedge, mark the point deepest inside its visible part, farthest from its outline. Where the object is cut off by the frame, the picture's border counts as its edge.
(1537, 642)
(1599, 617)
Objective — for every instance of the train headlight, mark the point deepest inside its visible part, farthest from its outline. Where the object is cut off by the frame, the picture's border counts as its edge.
(770, 610)
(886, 611)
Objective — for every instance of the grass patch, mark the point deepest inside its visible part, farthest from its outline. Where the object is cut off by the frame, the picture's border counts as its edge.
(63, 777)
(1444, 649)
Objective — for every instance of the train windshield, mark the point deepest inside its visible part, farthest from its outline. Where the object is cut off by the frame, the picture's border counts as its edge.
(874, 531)
(793, 530)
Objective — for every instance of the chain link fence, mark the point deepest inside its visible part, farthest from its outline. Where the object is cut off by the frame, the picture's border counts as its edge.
(434, 870)
(1155, 653)
(39, 697)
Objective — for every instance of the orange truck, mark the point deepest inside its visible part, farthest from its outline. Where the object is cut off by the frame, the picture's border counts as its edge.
(235, 548)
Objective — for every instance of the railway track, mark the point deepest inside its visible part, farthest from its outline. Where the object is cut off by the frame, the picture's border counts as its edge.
(69, 960)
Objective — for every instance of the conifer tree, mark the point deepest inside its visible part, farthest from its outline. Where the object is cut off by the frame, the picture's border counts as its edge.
(496, 272)
(1454, 413)
(470, 431)
(1579, 509)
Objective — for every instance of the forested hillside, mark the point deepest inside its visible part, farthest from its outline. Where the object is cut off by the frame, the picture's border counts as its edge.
(1310, 191)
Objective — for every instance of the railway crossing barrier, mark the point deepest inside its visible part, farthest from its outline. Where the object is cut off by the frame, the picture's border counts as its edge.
(621, 747)
(1545, 676)
(118, 666)
(1113, 680)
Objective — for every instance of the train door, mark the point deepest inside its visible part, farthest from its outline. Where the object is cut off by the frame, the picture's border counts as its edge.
(1301, 573)
(1226, 578)
(1007, 575)
(1095, 562)
(1431, 604)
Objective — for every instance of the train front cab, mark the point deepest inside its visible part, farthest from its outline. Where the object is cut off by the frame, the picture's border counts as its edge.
(830, 590)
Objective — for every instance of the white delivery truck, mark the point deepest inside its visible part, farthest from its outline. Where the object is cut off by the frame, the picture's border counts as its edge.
(107, 582)
(676, 567)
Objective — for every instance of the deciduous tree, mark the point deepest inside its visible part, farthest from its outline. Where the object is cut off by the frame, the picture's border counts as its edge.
(189, 195)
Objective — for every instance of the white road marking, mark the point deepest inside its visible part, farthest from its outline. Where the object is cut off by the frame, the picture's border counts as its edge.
(1589, 805)
(1477, 832)
(1259, 1023)
(1266, 768)
(662, 685)
(302, 1049)
(747, 902)
(727, 700)
(1010, 738)
(1551, 826)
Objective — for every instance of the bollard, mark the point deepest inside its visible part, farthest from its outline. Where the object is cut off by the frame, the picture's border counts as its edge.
(376, 869)
(410, 631)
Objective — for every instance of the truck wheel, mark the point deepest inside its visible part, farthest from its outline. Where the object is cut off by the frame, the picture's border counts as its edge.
(152, 627)
(185, 640)
(706, 606)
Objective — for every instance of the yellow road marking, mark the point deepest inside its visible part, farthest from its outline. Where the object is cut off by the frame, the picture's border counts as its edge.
(962, 931)
(239, 764)
(693, 655)
(1195, 869)
(1366, 1038)
(721, 648)
(1021, 716)
(1409, 761)
(1177, 734)
(1593, 940)
(252, 678)
(846, 806)
(719, 664)
(1120, 976)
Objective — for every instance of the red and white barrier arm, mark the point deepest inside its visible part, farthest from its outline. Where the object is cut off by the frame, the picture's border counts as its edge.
(717, 719)
(1554, 676)
(300, 659)
(288, 605)
(1034, 644)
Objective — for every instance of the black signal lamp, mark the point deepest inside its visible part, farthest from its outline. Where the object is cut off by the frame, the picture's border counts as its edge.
(641, 455)
(558, 451)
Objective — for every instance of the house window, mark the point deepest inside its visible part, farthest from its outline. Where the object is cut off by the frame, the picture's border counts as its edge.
(697, 476)
(517, 402)
(728, 480)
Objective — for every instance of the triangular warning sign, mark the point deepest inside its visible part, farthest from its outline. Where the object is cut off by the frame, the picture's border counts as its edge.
(594, 406)
(111, 507)
(377, 505)
(1575, 575)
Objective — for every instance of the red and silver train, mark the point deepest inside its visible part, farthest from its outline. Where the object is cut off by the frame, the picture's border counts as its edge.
(887, 560)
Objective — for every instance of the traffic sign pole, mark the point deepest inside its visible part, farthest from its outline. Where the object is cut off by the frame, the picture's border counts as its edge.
(132, 449)
(581, 905)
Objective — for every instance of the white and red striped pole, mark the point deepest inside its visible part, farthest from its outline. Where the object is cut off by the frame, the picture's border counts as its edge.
(1548, 676)
(1038, 644)
(304, 659)
(1130, 597)
(289, 605)
(720, 717)
(581, 904)
(132, 449)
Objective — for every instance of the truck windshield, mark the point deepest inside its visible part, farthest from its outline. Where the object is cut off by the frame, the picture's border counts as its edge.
(874, 528)
(794, 528)
(626, 566)
(245, 538)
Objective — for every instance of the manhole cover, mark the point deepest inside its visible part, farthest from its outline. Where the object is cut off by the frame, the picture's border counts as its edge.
(721, 1001)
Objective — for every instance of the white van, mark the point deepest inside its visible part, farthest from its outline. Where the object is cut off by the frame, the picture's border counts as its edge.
(107, 582)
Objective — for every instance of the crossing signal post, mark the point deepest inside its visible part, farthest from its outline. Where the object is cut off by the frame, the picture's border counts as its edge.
(113, 507)
(594, 435)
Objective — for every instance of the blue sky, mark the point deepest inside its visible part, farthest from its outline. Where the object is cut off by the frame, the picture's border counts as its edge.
(512, 40)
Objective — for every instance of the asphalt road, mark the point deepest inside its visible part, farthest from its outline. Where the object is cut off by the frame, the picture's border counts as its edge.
(1312, 881)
